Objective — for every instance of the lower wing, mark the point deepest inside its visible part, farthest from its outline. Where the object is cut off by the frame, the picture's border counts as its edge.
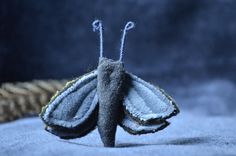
(137, 128)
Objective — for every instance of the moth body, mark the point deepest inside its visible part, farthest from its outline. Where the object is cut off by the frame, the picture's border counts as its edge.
(109, 88)
(105, 98)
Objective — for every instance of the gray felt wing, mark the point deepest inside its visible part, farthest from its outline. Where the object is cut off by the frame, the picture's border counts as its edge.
(73, 110)
(145, 102)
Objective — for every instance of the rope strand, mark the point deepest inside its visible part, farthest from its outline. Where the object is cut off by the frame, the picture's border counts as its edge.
(22, 99)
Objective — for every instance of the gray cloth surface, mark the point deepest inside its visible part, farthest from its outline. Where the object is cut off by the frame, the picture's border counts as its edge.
(189, 134)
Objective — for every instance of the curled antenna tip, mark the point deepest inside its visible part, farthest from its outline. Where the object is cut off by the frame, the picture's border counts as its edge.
(97, 25)
(129, 25)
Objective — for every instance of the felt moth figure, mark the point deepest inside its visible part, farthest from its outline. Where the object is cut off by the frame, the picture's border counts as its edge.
(107, 97)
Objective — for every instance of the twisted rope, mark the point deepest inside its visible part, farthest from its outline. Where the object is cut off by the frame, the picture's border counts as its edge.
(23, 99)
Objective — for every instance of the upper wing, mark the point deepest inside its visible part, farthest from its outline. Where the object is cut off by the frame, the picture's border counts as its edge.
(71, 110)
(147, 103)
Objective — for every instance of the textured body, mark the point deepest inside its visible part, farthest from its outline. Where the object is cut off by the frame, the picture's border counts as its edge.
(110, 85)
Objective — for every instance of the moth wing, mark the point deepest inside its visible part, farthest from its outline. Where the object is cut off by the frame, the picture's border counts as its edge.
(147, 103)
(72, 112)
(134, 127)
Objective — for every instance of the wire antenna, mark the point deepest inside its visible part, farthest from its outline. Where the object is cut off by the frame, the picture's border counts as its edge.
(97, 26)
(129, 25)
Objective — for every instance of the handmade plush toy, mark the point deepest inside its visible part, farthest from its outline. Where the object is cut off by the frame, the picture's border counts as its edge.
(106, 97)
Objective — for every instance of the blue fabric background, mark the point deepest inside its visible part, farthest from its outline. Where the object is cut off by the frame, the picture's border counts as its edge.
(173, 40)
(186, 47)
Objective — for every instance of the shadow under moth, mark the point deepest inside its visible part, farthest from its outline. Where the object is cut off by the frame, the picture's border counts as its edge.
(107, 97)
